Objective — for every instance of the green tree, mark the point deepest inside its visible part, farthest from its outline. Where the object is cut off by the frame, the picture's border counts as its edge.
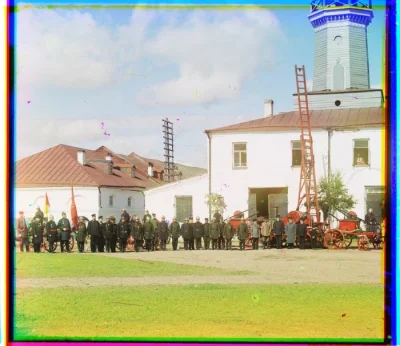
(334, 195)
(216, 202)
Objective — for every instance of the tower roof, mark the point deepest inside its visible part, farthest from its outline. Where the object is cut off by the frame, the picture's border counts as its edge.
(317, 5)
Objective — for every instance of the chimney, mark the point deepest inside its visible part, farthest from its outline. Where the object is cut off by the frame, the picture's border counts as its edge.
(268, 108)
(150, 169)
(133, 171)
(109, 168)
(82, 157)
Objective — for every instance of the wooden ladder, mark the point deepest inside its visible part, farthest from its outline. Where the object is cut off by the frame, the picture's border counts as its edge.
(308, 188)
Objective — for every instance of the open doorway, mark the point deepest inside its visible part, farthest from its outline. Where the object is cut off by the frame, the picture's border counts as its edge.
(268, 202)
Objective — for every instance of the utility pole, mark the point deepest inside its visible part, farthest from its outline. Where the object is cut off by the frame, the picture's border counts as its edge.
(330, 132)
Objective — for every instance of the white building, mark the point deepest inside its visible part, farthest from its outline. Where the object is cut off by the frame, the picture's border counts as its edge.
(256, 165)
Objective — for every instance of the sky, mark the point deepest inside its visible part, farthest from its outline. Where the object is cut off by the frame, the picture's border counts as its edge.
(91, 77)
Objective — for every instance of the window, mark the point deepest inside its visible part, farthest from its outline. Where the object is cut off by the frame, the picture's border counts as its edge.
(360, 152)
(239, 155)
(183, 207)
(129, 201)
(111, 201)
(296, 153)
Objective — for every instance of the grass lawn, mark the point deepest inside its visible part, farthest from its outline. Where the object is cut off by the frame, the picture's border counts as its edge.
(201, 311)
(70, 265)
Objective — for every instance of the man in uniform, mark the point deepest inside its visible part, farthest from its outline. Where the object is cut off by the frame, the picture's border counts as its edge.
(278, 228)
(163, 233)
(215, 231)
(301, 233)
(242, 231)
(65, 227)
(186, 234)
(51, 230)
(108, 234)
(147, 215)
(370, 221)
(93, 230)
(217, 216)
(174, 229)
(113, 243)
(82, 234)
(101, 242)
(137, 233)
(37, 233)
(221, 239)
(198, 232)
(39, 214)
(124, 215)
(154, 222)
(148, 230)
(206, 228)
(228, 235)
(22, 227)
(191, 240)
(266, 233)
(123, 234)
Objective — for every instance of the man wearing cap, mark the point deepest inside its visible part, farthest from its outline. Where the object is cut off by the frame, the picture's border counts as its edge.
(108, 233)
(370, 221)
(186, 234)
(82, 233)
(39, 214)
(278, 228)
(65, 227)
(215, 232)
(137, 233)
(147, 215)
(125, 215)
(198, 232)
(290, 231)
(51, 230)
(37, 233)
(93, 230)
(123, 233)
(266, 232)
(163, 233)
(102, 241)
(191, 239)
(154, 222)
(148, 231)
(22, 227)
(228, 235)
(206, 234)
(242, 231)
(174, 230)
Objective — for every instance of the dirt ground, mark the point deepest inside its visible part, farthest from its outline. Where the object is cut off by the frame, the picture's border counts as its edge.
(269, 266)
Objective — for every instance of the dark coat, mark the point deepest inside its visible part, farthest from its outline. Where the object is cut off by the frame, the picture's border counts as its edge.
(186, 231)
(278, 227)
(163, 230)
(191, 230)
(148, 230)
(93, 227)
(65, 227)
(22, 227)
(51, 230)
(198, 230)
(370, 219)
(108, 230)
(40, 215)
(37, 232)
(126, 216)
(217, 217)
(301, 230)
(115, 230)
(82, 232)
(146, 216)
(228, 231)
(101, 230)
(123, 231)
(175, 230)
(206, 229)
(137, 231)
(215, 230)
(243, 231)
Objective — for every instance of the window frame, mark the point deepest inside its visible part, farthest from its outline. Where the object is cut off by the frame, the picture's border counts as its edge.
(178, 215)
(291, 148)
(240, 158)
(111, 199)
(129, 202)
(354, 163)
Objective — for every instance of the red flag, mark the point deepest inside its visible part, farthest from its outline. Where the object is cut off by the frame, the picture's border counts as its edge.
(46, 206)
(74, 212)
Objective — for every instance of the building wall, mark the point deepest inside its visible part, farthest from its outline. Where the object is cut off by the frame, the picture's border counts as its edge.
(358, 53)
(161, 200)
(363, 99)
(86, 200)
(269, 164)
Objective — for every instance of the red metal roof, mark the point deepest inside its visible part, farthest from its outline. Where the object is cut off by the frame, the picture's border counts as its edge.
(319, 119)
(58, 166)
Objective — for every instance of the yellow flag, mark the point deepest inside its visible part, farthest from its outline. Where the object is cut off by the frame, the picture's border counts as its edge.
(46, 206)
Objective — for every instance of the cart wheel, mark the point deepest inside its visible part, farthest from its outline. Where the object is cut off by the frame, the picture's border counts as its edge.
(130, 244)
(378, 242)
(307, 242)
(46, 245)
(248, 243)
(169, 240)
(363, 243)
(333, 239)
(117, 245)
(347, 240)
(71, 243)
(284, 242)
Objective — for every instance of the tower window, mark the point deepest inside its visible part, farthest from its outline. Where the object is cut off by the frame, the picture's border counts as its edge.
(129, 201)
(338, 77)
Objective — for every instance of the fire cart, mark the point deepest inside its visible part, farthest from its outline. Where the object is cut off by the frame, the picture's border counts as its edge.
(349, 229)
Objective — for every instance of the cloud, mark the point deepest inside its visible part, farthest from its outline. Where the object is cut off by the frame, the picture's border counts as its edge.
(212, 52)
